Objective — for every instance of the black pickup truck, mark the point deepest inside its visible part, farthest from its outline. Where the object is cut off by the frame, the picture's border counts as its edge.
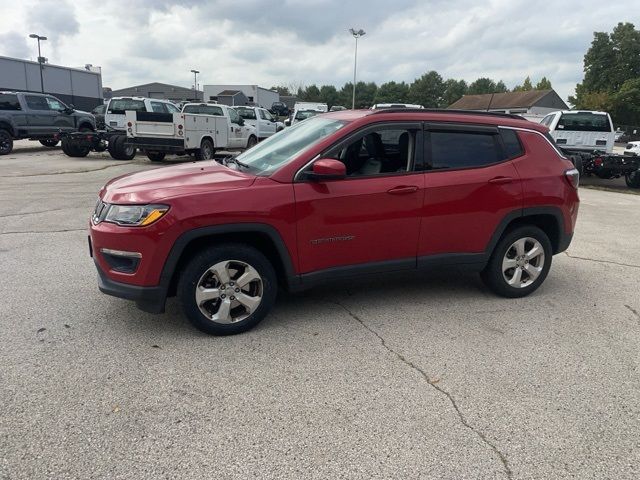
(38, 116)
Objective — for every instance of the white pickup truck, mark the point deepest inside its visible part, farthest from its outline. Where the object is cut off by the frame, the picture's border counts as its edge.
(200, 129)
(260, 118)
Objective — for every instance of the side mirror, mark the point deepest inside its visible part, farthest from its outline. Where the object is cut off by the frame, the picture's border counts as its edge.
(241, 121)
(327, 169)
(287, 122)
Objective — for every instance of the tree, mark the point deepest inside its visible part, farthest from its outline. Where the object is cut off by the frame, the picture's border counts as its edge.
(365, 94)
(282, 90)
(525, 87)
(544, 84)
(311, 94)
(453, 91)
(329, 95)
(482, 86)
(427, 90)
(501, 87)
(392, 92)
(625, 104)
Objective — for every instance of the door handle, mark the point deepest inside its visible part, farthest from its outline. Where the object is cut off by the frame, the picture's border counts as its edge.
(403, 190)
(501, 180)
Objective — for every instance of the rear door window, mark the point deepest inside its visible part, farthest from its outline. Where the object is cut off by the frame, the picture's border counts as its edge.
(158, 107)
(120, 105)
(171, 108)
(36, 102)
(9, 101)
(584, 122)
(453, 150)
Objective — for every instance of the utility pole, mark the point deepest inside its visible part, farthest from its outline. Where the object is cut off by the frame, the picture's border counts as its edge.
(41, 59)
(195, 83)
(356, 34)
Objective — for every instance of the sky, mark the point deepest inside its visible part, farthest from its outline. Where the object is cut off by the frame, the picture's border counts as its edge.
(300, 42)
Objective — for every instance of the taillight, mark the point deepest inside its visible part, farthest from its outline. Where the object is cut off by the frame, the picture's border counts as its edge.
(598, 161)
(573, 177)
(129, 124)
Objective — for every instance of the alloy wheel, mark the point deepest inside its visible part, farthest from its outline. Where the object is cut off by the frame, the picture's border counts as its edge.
(523, 262)
(229, 292)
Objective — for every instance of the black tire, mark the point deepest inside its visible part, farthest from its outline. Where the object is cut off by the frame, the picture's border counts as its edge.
(119, 151)
(632, 179)
(251, 141)
(6, 142)
(156, 156)
(197, 270)
(73, 150)
(493, 276)
(577, 162)
(49, 143)
(206, 150)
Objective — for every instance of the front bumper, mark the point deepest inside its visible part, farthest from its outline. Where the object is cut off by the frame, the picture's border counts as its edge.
(148, 299)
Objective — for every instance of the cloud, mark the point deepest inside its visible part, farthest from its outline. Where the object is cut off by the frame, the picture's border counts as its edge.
(54, 19)
(14, 44)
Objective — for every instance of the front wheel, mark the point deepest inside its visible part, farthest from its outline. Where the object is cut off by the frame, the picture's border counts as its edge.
(227, 289)
(49, 143)
(632, 179)
(519, 263)
(6, 142)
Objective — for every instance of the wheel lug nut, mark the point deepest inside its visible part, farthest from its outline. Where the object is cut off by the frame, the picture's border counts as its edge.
(222, 287)
(232, 297)
(223, 296)
(237, 290)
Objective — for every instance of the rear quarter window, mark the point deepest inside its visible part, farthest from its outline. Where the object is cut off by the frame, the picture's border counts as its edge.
(9, 102)
(511, 142)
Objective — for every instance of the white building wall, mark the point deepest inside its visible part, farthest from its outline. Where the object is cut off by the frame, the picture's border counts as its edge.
(258, 95)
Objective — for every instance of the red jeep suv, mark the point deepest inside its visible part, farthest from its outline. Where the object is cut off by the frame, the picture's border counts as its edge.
(340, 194)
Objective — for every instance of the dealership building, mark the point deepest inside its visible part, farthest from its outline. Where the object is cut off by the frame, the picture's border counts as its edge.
(81, 87)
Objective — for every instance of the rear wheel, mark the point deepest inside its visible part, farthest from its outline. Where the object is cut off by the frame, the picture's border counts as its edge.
(519, 263)
(155, 156)
(119, 151)
(227, 289)
(6, 142)
(72, 150)
(206, 150)
(49, 143)
(632, 179)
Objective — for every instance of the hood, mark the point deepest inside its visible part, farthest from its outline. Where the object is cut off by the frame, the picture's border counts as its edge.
(81, 112)
(154, 185)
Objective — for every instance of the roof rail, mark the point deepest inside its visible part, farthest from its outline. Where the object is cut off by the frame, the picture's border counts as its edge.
(442, 110)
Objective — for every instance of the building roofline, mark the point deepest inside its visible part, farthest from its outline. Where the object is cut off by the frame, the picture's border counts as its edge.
(76, 69)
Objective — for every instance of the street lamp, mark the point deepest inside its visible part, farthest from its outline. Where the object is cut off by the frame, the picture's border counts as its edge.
(356, 34)
(195, 82)
(41, 59)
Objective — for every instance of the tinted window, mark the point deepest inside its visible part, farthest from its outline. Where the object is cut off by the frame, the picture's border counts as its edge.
(172, 108)
(9, 102)
(99, 110)
(55, 104)
(247, 113)
(380, 152)
(584, 122)
(462, 150)
(36, 103)
(158, 107)
(546, 121)
(511, 142)
(120, 105)
(211, 110)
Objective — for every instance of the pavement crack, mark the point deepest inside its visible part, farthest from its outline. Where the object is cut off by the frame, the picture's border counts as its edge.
(609, 262)
(89, 170)
(634, 311)
(44, 231)
(434, 384)
(32, 213)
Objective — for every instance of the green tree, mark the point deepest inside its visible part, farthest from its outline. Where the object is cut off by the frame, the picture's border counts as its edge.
(501, 87)
(392, 92)
(329, 95)
(481, 86)
(365, 94)
(282, 90)
(544, 84)
(311, 94)
(453, 91)
(525, 87)
(427, 90)
(625, 104)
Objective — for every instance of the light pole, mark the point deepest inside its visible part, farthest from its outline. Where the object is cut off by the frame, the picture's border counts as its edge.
(356, 34)
(195, 83)
(40, 58)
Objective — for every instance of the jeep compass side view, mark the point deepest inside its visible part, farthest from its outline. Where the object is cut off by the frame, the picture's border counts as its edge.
(341, 194)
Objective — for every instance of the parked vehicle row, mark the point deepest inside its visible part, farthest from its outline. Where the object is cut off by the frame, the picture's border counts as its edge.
(37, 116)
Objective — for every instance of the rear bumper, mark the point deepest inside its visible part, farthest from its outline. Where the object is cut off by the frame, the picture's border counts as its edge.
(148, 299)
(157, 144)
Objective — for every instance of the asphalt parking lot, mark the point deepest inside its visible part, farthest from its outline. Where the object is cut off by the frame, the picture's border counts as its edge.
(420, 377)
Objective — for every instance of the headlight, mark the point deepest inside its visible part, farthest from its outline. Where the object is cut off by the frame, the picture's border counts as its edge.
(135, 215)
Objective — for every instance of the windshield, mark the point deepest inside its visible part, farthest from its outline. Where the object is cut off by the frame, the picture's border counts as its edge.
(302, 114)
(247, 113)
(584, 122)
(281, 148)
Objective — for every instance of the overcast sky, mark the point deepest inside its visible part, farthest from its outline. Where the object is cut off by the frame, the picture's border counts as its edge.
(306, 41)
